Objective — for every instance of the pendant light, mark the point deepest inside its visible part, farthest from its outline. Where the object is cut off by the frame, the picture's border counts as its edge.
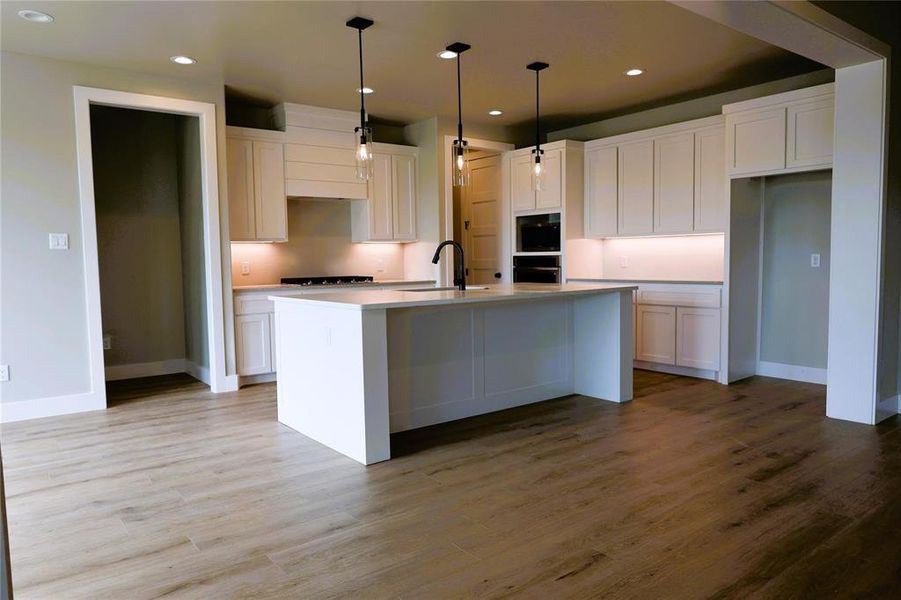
(538, 167)
(460, 153)
(363, 133)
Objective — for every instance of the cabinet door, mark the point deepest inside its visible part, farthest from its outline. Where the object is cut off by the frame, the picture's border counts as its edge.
(698, 338)
(269, 191)
(601, 194)
(674, 183)
(522, 197)
(381, 190)
(810, 132)
(755, 141)
(404, 193)
(710, 180)
(551, 194)
(254, 345)
(241, 207)
(657, 334)
(636, 188)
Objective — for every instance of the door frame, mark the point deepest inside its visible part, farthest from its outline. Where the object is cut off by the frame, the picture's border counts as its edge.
(446, 270)
(85, 97)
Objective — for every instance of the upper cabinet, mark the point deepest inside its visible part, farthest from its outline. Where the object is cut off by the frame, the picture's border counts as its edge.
(667, 180)
(783, 133)
(389, 213)
(560, 160)
(256, 185)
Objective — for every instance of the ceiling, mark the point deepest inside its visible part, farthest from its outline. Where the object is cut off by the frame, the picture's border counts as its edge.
(302, 52)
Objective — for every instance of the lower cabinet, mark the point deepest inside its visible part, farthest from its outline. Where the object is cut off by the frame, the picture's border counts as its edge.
(698, 338)
(253, 338)
(656, 331)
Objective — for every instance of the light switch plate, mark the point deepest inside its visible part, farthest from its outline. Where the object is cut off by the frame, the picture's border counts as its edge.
(624, 262)
(59, 241)
(4, 372)
(815, 260)
(245, 268)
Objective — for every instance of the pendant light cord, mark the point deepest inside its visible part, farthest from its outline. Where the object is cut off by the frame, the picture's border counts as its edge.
(459, 103)
(362, 95)
(537, 114)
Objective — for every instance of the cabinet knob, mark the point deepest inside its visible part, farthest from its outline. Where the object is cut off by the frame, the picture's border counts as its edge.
(497, 275)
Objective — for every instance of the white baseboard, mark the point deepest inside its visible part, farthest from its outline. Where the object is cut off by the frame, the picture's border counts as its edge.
(792, 372)
(196, 371)
(37, 408)
(675, 370)
(888, 407)
(252, 379)
(148, 369)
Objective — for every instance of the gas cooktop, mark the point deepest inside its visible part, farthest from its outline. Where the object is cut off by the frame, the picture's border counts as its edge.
(327, 280)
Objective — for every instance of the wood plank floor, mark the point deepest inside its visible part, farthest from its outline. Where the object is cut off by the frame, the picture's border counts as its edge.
(693, 490)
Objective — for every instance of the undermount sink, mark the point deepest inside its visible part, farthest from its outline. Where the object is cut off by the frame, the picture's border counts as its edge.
(448, 289)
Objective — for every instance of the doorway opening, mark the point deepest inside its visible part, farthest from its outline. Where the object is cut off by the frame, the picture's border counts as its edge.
(477, 218)
(132, 206)
(149, 214)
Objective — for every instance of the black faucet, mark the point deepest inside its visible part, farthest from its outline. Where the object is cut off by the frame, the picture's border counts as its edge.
(460, 282)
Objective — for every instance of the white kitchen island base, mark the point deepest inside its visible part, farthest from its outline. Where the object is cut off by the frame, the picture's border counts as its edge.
(355, 367)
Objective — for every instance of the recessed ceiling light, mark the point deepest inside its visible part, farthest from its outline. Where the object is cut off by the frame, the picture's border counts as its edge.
(365, 90)
(447, 54)
(634, 72)
(182, 60)
(495, 112)
(35, 16)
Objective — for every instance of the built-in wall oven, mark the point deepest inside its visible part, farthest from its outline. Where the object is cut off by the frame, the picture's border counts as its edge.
(536, 269)
(538, 233)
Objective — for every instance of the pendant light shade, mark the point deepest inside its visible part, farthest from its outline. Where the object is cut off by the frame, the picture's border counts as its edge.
(538, 166)
(460, 151)
(363, 133)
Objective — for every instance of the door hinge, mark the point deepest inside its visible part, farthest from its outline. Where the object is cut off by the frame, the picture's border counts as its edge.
(466, 225)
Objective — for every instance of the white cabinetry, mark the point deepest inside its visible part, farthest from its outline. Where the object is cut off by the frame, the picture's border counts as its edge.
(636, 188)
(656, 334)
(389, 214)
(522, 196)
(253, 338)
(256, 185)
(698, 338)
(674, 190)
(668, 180)
(601, 187)
(710, 180)
(783, 133)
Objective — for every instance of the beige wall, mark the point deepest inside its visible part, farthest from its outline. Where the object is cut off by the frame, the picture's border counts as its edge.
(319, 243)
(136, 191)
(43, 323)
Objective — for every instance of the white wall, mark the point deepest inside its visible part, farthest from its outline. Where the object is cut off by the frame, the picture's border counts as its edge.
(43, 323)
(319, 243)
(690, 258)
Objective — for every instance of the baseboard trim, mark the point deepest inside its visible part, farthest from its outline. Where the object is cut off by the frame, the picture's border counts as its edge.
(196, 371)
(791, 372)
(675, 370)
(37, 408)
(147, 369)
(252, 379)
(888, 407)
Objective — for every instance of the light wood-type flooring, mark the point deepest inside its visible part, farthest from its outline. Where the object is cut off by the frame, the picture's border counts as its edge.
(693, 490)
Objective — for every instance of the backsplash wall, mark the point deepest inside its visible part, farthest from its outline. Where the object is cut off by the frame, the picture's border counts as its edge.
(690, 258)
(318, 244)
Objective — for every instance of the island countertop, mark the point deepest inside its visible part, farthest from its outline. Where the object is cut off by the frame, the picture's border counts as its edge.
(394, 298)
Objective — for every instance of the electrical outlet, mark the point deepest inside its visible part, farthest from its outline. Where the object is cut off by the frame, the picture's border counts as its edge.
(59, 241)
(624, 262)
(380, 265)
(814, 260)
(245, 268)
(107, 341)
(4, 372)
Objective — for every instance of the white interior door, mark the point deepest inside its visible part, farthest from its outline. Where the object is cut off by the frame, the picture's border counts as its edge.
(481, 220)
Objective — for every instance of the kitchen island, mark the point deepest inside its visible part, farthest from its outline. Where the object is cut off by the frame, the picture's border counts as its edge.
(356, 366)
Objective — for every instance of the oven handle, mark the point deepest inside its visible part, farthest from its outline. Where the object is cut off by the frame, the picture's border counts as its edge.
(538, 268)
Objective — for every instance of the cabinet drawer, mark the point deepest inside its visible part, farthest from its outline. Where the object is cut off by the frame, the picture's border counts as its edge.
(253, 305)
(694, 298)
